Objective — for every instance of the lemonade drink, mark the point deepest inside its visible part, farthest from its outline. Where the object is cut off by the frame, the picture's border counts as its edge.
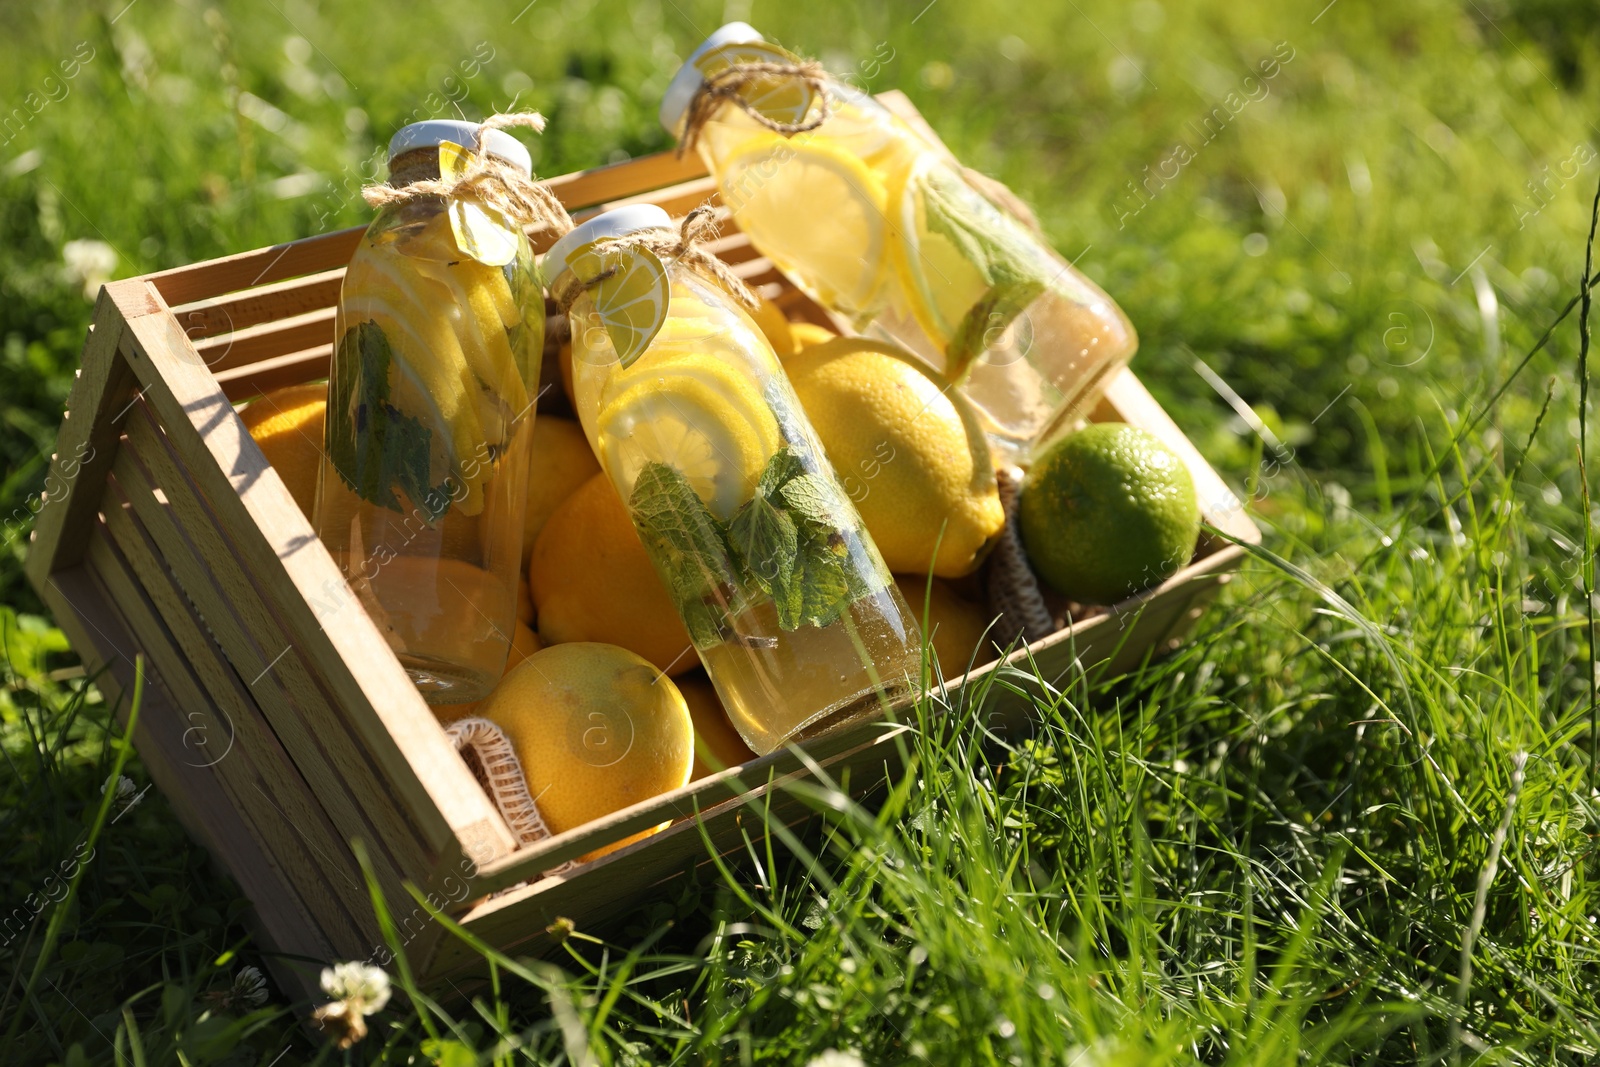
(784, 595)
(429, 420)
(879, 224)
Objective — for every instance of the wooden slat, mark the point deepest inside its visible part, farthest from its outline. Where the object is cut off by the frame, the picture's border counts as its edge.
(263, 266)
(758, 272)
(336, 766)
(255, 774)
(1116, 642)
(700, 795)
(242, 383)
(85, 446)
(516, 921)
(251, 307)
(335, 763)
(598, 185)
(94, 623)
(277, 544)
(294, 334)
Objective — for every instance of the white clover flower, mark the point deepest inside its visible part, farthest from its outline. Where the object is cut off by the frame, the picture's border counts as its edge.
(89, 263)
(358, 990)
(250, 987)
(835, 1058)
(249, 990)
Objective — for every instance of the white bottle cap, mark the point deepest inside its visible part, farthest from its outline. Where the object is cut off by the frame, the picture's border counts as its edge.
(614, 223)
(430, 134)
(680, 91)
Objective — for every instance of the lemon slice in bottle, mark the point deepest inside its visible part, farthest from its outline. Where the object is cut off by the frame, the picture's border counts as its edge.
(840, 236)
(436, 392)
(481, 331)
(940, 281)
(969, 269)
(631, 298)
(698, 415)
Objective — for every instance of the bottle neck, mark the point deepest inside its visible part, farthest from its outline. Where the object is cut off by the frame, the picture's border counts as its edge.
(417, 165)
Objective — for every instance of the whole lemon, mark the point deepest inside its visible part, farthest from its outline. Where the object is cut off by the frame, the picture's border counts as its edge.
(524, 643)
(524, 601)
(908, 450)
(592, 581)
(561, 461)
(287, 425)
(717, 745)
(1108, 511)
(809, 335)
(957, 624)
(564, 364)
(774, 326)
(596, 729)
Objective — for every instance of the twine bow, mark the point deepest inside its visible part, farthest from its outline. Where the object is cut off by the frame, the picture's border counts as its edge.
(680, 245)
(727, 85)
(489, 180)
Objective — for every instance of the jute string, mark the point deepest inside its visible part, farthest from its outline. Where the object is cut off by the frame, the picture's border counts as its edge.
(1014, 593)
(498, 770)
(490, 181)
(680, 245)
(724, 86)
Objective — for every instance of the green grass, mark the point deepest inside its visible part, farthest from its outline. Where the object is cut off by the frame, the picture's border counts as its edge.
(1352, 821)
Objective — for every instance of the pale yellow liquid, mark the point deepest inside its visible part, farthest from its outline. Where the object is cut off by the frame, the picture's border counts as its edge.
(441, 590)
(1041, 370)
(774, 684)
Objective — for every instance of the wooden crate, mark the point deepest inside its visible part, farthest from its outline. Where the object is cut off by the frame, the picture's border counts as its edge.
(281, 738)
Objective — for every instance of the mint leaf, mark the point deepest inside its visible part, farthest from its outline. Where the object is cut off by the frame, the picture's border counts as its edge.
(1007, 256)
(814, 499)
(824, 585)
(665, 504)
(988, 318)
(783, 466)
(766, 541)
(686, 543)
(374, 446)
(697, 603)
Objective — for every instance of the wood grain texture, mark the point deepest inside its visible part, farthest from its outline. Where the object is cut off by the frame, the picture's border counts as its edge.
(516, 921)
(281, 815)
(433, 787)
(85, 447)
(241, 348)
(310, 365)
(232, 312)
(587, 188)
(335, 766)
(261, 266)
(94, 621)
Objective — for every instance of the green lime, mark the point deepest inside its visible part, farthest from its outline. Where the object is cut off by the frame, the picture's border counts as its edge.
(1107, 512)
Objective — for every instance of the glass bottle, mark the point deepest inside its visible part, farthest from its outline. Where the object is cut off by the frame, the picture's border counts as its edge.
(879, 224)
(784, 595)
(430, 416)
